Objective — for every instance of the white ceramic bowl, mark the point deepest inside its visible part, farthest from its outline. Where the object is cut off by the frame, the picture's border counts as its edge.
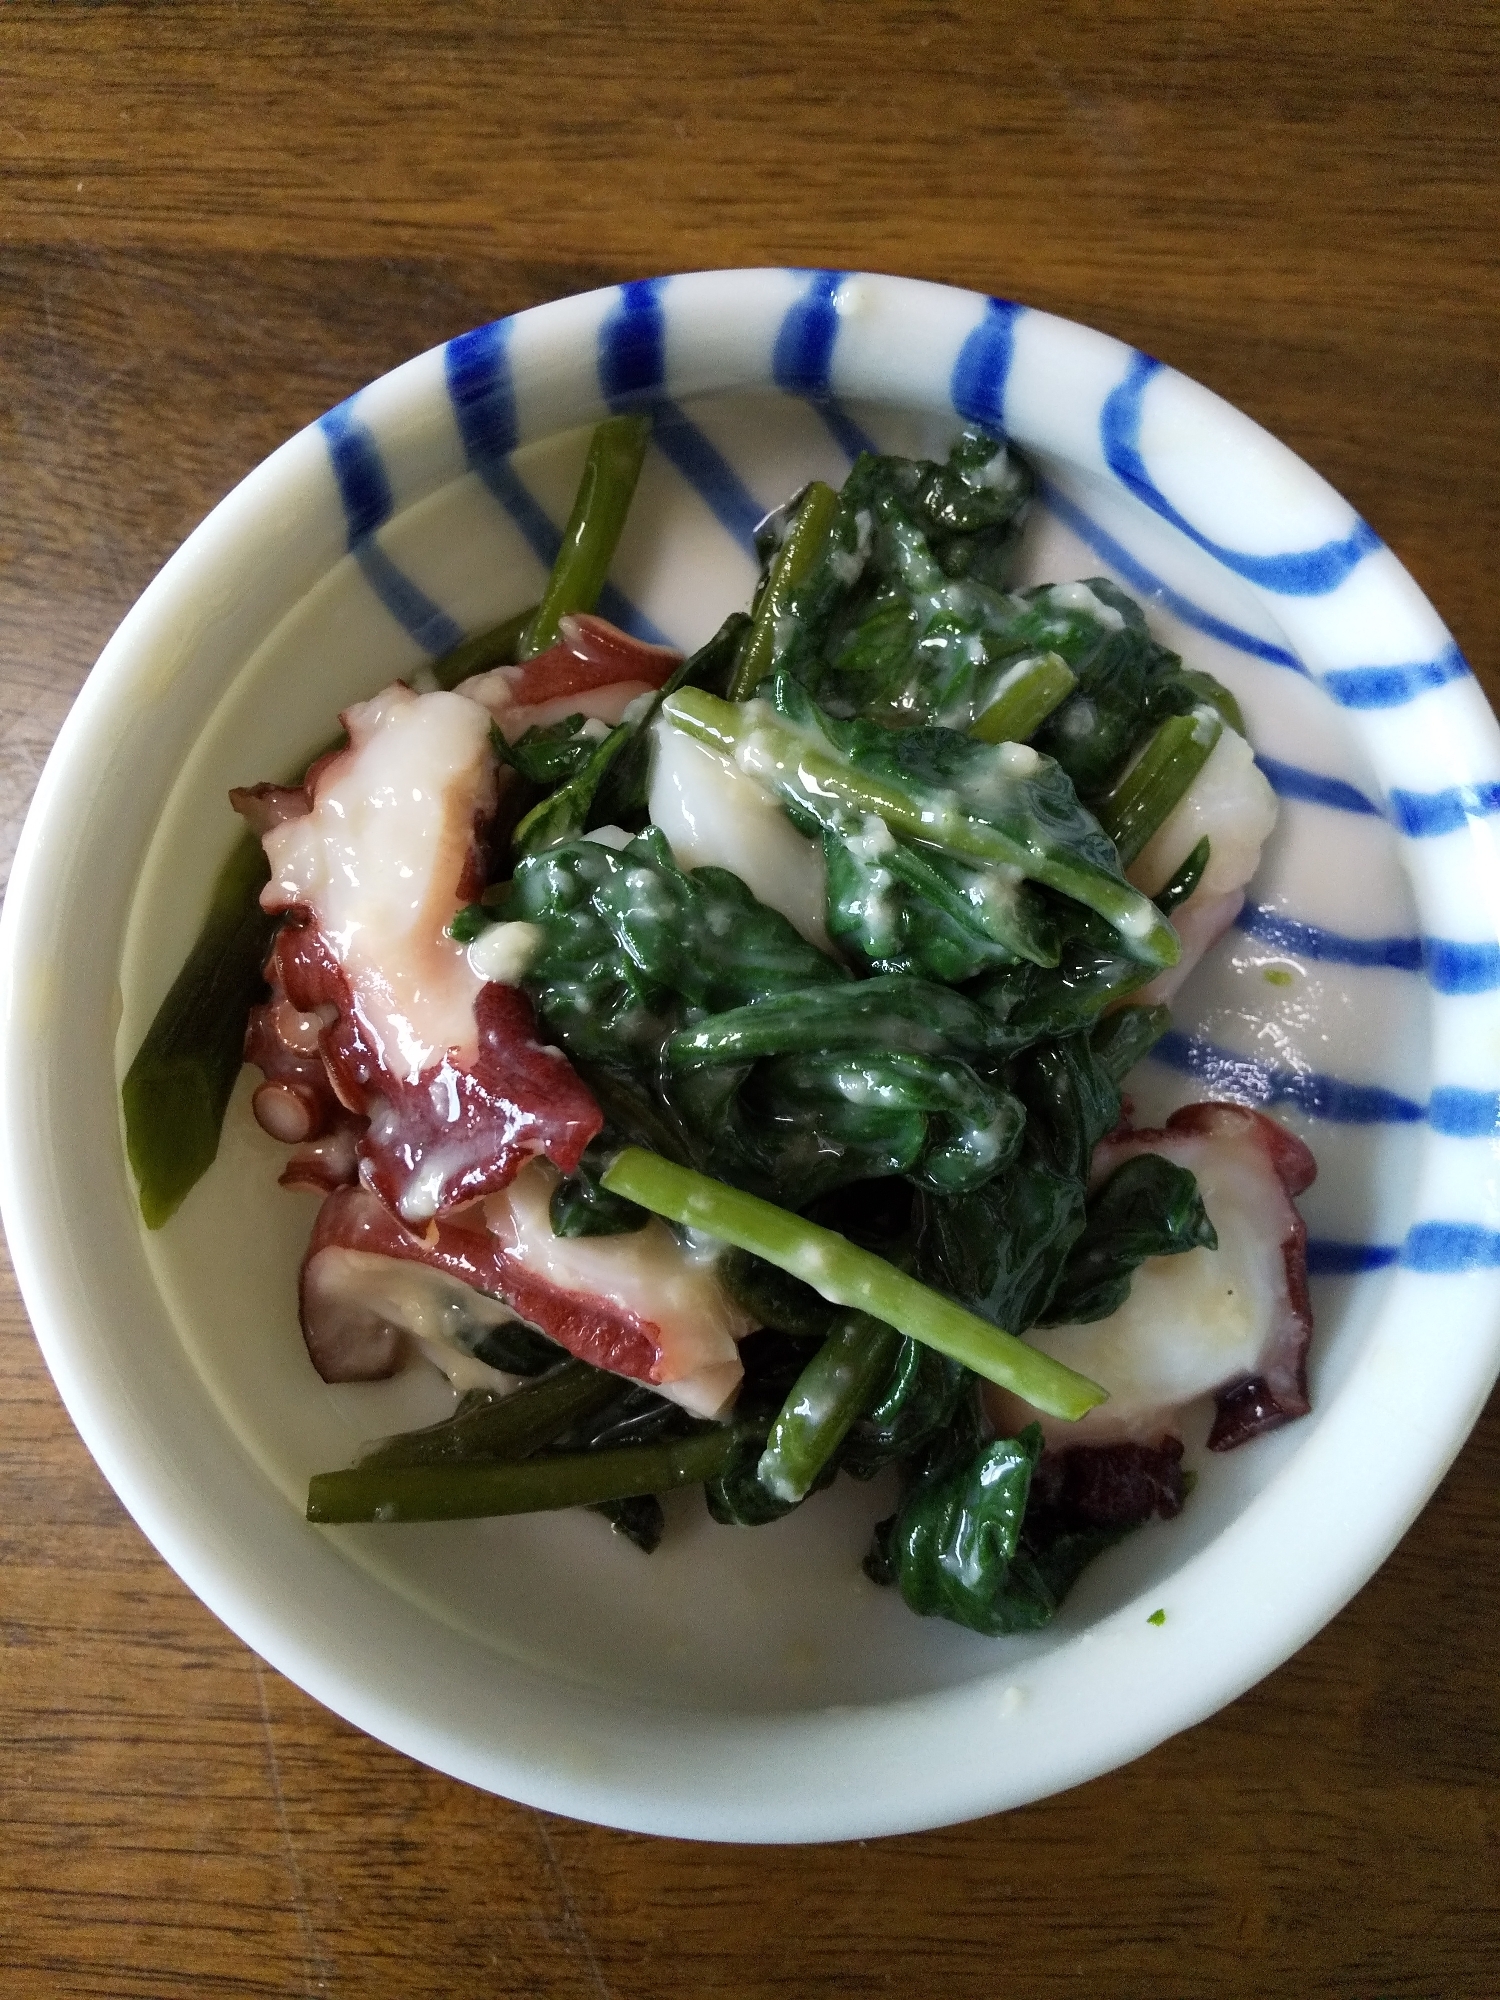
(751, 1685)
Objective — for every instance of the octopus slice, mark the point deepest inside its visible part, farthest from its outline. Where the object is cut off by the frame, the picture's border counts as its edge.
(441, 1071)
(594, 670)
(640, 1305)
(1234, 1323)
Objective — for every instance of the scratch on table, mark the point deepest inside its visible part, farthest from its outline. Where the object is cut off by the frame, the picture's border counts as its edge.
(315, 1965)
(575, 1922)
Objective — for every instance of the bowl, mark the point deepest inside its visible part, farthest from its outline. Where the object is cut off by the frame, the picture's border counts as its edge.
(751, 1685)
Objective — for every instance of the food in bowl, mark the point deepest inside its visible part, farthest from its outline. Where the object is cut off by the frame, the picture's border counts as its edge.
(713, 1064)
(755, 1686)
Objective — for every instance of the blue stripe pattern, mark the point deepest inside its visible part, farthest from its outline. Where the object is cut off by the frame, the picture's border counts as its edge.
(982, 370)
(1454, 967)
(1464, 1114)
(1452, 1110)
(363, 487)
(365, 493)
(1250, 1081)
(802, 359)
(632, 370)
(1394, 687)
(1449, 1247)
(1150, 584)
(1327, 1259)
(1306, 573)
(482, 392)
(1438, 1248)
(1423, 815)
(1290, 934)
(1290, 781)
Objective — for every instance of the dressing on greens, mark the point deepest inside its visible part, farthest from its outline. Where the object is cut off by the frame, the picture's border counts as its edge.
(730, 1048)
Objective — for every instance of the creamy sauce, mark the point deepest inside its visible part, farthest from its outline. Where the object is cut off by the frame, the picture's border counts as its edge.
(503, 952)
(444, 1317)
(378, 862)
(1078, 597)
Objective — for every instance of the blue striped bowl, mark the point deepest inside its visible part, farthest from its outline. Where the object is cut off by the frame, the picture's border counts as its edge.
(752, 1685)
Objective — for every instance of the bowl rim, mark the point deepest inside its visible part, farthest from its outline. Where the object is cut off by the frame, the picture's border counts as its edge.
(723, 1776)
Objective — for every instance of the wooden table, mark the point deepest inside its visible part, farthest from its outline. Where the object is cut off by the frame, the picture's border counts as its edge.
(216, 221)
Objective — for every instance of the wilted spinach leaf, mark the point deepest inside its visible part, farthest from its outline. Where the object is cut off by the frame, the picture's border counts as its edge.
(1148, 1207)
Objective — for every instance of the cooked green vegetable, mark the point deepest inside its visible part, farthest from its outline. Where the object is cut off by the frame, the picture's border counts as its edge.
(954, 1547)
(885, 622)
(646, 978)
(1153, 785)
(847, 1276)
(798, 555)
(616, 453)
(466, 1492)
(508, 1427)
(997, 807)
(969, 1544)
(1147, 1208)
(1002, 1248)
(917, 1404)
(827, 1397)
(1185, 881)
(495, 647)
(177, 1089)
(1026, 695)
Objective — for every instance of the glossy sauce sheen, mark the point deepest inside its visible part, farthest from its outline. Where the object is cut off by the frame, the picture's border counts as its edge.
(716, 815)
(445, 1064)
(641, 1304)
(380, 861)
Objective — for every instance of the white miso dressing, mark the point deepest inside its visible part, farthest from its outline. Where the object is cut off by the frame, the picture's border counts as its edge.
(440, 1314)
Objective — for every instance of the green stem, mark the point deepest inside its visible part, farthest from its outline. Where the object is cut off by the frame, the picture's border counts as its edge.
(483, 650)
(1127, 1034)
(827, 1397)
(806, 538)
(506, 1427)
(535, 1486)
(588, 545)
(808, 772)
(891, 1012)
(178, 1087)
(1213, 694)
(561, 814)
(1185, 881)
(1158, 780)
(847, 1276)
(1024, 699)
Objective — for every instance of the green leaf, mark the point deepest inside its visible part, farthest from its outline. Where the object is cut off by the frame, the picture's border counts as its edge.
(957, 1532)
(1149, 1207)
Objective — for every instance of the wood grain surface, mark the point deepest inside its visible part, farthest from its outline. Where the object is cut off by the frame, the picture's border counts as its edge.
(215, 221)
